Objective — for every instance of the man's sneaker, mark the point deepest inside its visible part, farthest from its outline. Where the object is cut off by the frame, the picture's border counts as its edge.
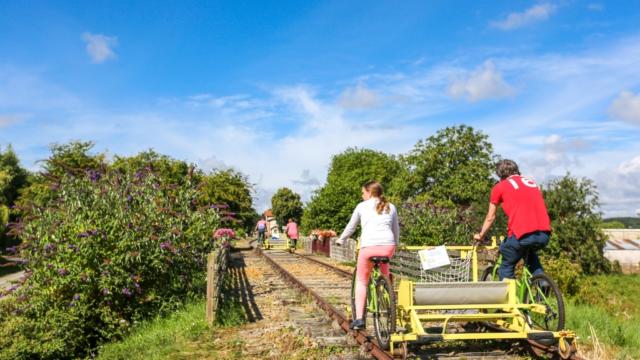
(357, 324)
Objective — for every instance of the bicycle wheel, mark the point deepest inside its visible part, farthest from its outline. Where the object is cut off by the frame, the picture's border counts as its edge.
(544, 291)
(353, 300)
(488, 274)
(384, 319)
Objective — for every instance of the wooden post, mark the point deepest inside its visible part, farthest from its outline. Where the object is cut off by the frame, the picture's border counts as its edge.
(211, 287)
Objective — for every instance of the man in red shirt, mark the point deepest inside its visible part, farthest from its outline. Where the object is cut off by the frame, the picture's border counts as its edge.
(529, 225)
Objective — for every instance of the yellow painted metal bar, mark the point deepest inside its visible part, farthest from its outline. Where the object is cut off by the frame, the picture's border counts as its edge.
(416, 324)
(484, 336)
(473, 336)
(468, 317)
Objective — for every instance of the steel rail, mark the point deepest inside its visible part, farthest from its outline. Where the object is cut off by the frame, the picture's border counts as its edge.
(343, 272)
(343, 322)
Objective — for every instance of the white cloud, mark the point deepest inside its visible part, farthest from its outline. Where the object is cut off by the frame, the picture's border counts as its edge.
(100, 47)
(629, 167)
(484, 83)
(626, 107)
(620, 188)
(359, 97)
(534, 14)
(8, 120)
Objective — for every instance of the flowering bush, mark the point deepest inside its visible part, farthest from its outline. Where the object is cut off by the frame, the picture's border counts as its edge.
(224, 233)
(108, 249)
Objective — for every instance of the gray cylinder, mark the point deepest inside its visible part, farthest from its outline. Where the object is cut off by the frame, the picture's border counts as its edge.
(462, 293)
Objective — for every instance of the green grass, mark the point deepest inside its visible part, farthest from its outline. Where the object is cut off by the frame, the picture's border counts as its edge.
(610, 305)
(160, 338)
(183, 335)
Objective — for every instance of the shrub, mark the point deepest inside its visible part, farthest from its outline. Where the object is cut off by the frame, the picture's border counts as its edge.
(565, 273)
(425, 223)
(107, 250)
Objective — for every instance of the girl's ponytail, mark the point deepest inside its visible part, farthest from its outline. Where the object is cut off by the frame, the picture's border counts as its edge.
(376, 190)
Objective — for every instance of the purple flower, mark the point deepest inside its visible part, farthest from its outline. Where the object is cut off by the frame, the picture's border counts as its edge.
(63, 272)
(94, 175)
(83, 235)
(126, 292)
(76, 297)
(167, 246)
(13, 288)
(129, 198)
(11, 249)
(72, 247)
(49, 266)
(105, 291)
(50, 247)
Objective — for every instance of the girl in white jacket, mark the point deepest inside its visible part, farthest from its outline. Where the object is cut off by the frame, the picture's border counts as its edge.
(380, 235)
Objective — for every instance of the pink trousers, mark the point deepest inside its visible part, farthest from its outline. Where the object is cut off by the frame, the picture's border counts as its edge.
(364, 271)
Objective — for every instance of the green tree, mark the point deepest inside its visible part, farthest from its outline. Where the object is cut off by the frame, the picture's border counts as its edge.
(233, 189)
(577, 235)
(171, 170)
(332, 205)
(285, 205)
(453, 167)
(12, 176)
(612, 225)
(73, 158)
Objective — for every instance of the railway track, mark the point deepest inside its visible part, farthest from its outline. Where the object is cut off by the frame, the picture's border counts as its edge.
(330, 287)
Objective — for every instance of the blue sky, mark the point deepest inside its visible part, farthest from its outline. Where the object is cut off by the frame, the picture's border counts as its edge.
(275, 88)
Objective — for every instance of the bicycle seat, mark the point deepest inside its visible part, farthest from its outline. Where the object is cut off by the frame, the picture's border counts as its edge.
(379, 259)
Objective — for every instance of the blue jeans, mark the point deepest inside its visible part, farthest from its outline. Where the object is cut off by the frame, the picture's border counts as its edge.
(513, 250)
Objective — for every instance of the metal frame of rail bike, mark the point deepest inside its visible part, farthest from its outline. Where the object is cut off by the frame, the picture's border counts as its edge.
(266, 245)
(508, 316)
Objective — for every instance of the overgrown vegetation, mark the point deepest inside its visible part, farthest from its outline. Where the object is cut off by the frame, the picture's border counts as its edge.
(106, 246)
(609, 305)
(573, 208)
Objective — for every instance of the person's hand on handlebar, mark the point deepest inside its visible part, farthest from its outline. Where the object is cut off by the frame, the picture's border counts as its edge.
(340, 242)
(478, 239)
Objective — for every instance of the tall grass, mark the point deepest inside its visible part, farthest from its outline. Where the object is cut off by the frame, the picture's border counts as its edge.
(610, 305)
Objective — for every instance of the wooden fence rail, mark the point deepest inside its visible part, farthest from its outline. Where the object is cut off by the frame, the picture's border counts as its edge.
(217, 265)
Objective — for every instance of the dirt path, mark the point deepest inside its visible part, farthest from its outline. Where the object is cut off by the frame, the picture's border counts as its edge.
(7, 280)
(280, 324)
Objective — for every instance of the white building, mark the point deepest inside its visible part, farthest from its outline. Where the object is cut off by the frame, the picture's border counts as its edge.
(623, 245)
